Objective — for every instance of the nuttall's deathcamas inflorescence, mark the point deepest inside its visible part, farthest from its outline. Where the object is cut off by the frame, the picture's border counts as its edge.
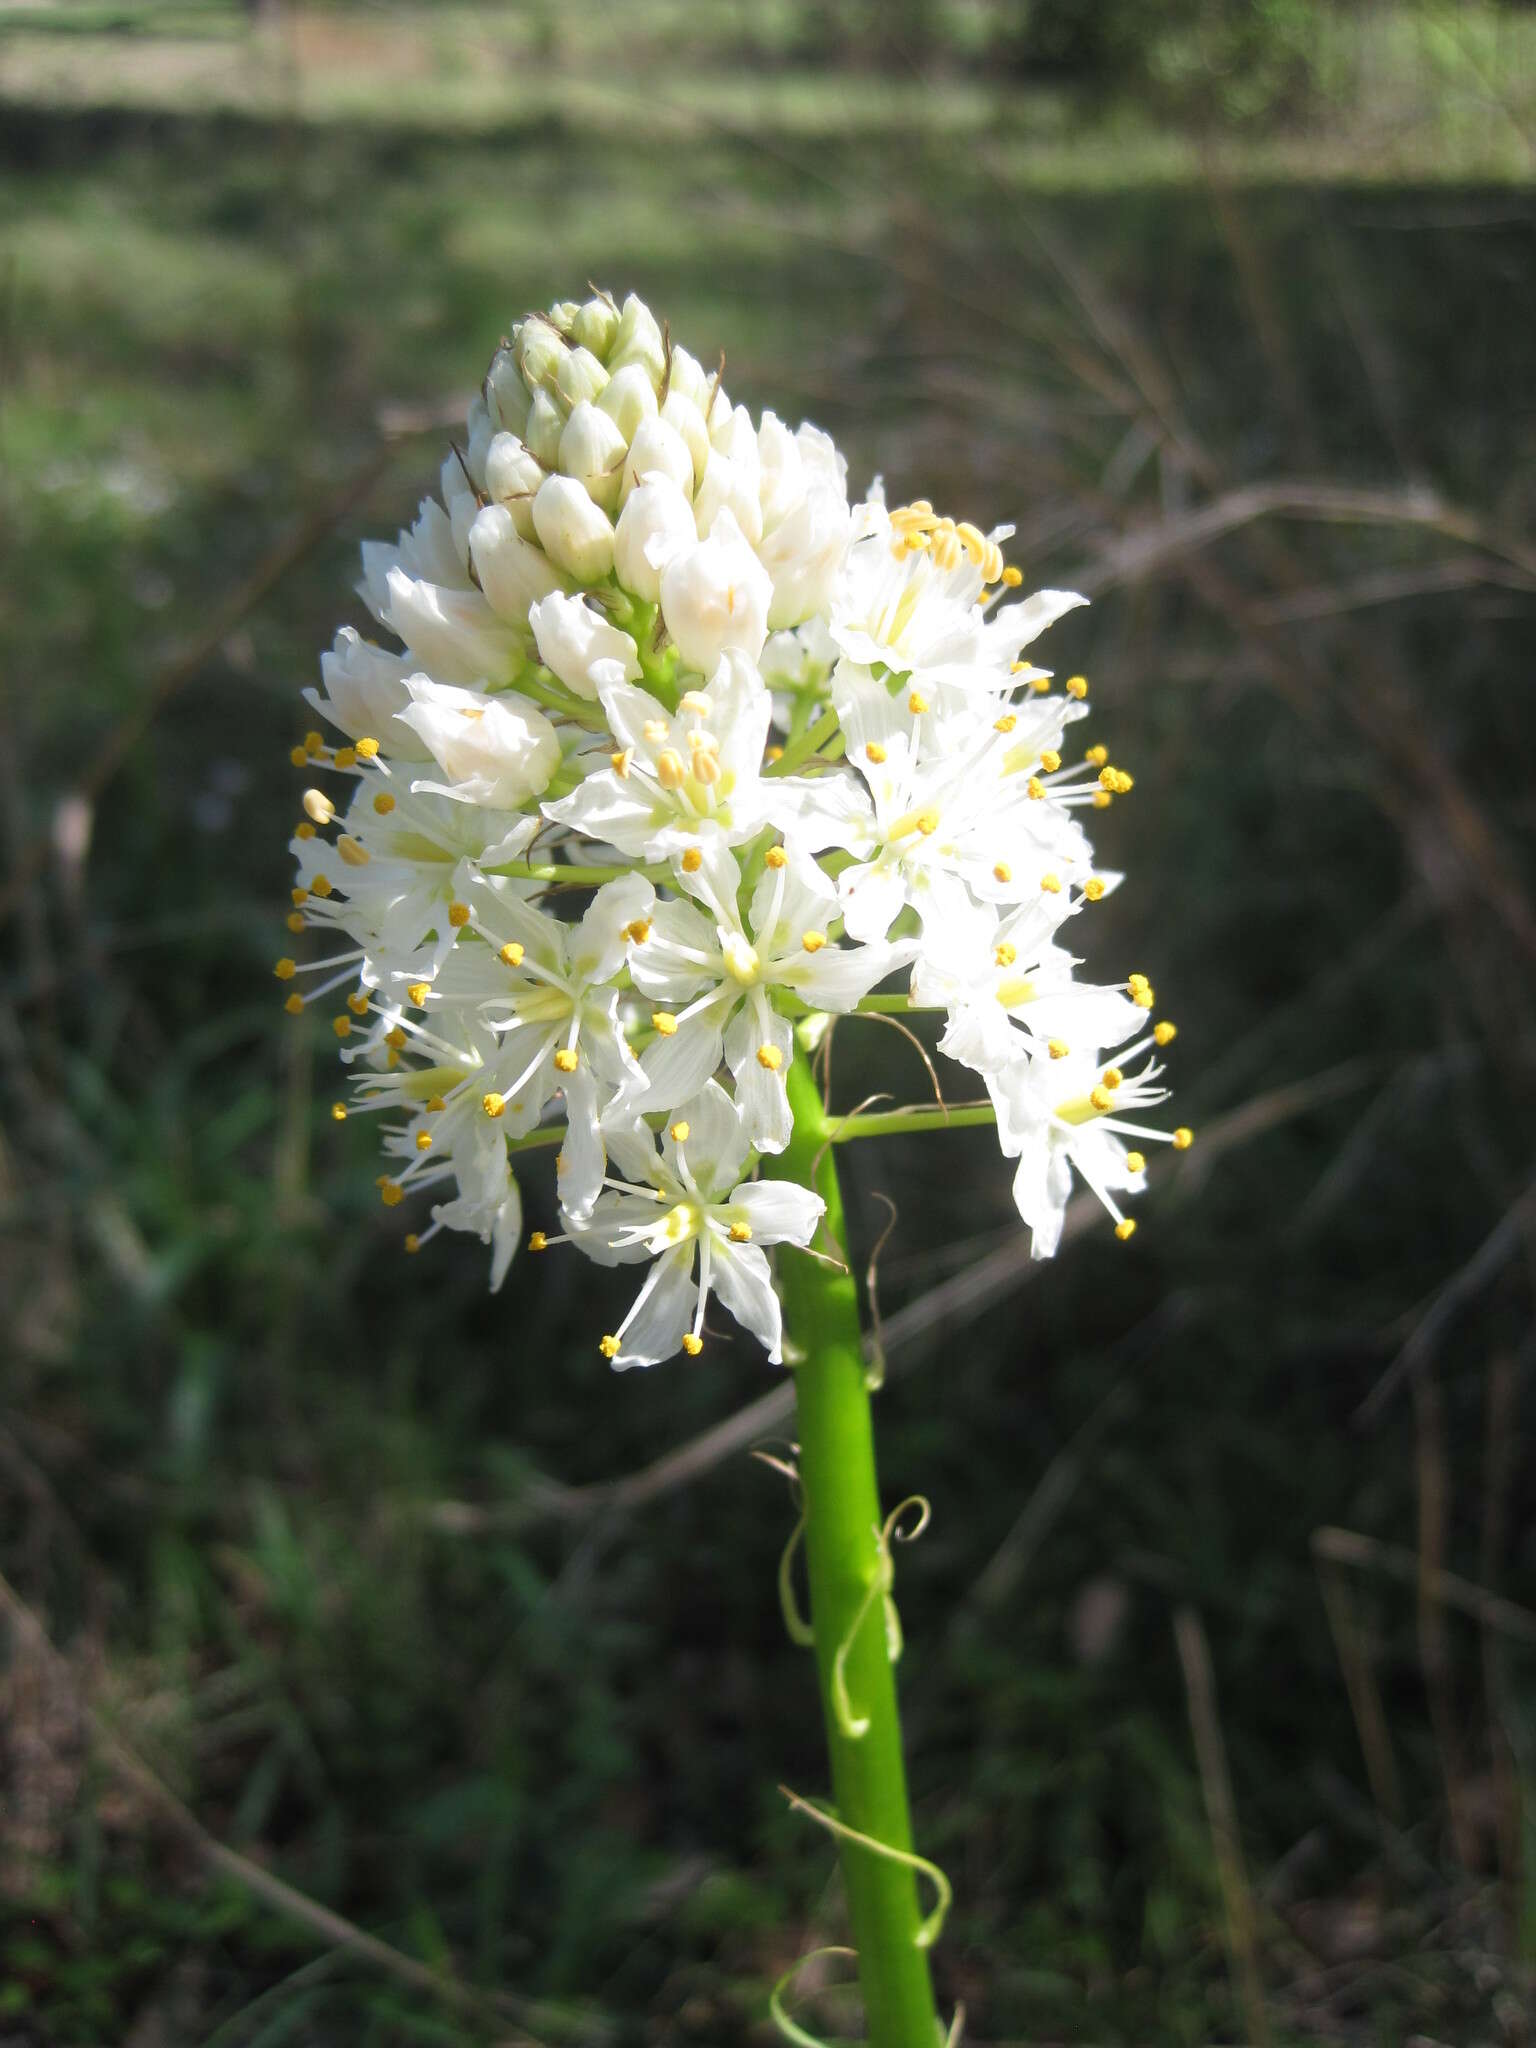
(784, 749)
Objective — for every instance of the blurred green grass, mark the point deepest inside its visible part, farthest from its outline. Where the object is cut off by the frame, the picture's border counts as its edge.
(544, 1755)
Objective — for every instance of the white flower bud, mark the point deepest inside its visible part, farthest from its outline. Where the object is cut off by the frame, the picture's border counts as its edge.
(539, 351)
(689, 377)
(728, 485)
(592, 450)
(781, 473)
(628, 399)
(574, 532)
(594, 326)
(546, 423)
(684, 417)
(803, 554)
(506, 395)
(732, 432)
(579, 646)
(715, 595)
(579, 376)
(656, 524)
(657, 448)
(638, 340)
(498, 751)
(513, 573)
(512, 475)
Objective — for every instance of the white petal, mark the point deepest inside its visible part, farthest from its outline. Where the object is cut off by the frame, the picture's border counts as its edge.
(663, 1311)
(739, 1276)
(779, 1211)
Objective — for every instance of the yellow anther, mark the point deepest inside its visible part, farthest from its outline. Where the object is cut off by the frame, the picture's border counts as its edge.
(1058, 1048)
(418, 991)
(383, 803)
(367, 749)
(353, 852)
(298, 896)
(637, 931)
(435, 1103)
(1051, 884)
(1165, 1033)
(344, 757)
(875, 752)
(1097, 756)
(774, 753)
(670, 771)
(342, 1026)
(663, 1023)
(741, 1233)
(776, 857)
(1094, 889)
(411, 1243)
(1005, 953)
(692, 861)
(1077, 686)
(917, 703)
(1136, 981)
(654, 732)
(691, 1344)
(298, 757)
(679, 1132)
(1143, 998)
(1040, 684)
(1115, 780)
(338, 1112)
(423, 1141)
(1112, 1077)
(770, 1057)
(511, 954)
(294, 1005)
(1034, 788)
(294, 921)
(537, 1241)
(1102, 799)
(458, 915)
(609, 1346)
(304, 829)
(395, 1038)
(565, 1060)
(357, 1003)
(314, 743)
(1012, 577)
(620, 761)
(1001, 872)
(695, 703)
(1125, 1228)
(391, 1194)
(493, 1103)
(1050, 760)
(286, 969)
(1134, 1162)
(320, 886)
(706, 766)
(1006, 723)
(813, 941)
(927, 822)
(1183, 1138)
(1100, 1097)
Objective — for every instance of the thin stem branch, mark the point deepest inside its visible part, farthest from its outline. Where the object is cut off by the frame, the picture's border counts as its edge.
(891, 1123)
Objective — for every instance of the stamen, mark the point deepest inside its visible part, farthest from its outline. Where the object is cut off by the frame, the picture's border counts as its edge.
(338, 1112)
(1051, 884)
(692, 861)
(493, 1103)
(663, 1023)
(1125, 1228)
(383, 803)
(1077, 686)
(691, 1344)
(565, 1060)
(875, 752)
(770, 1057)
(609, 1346)
(1135, 1162)
(1165, 1033)
(286, 969)
(679, 1131)
(458, 915)
(511, 954)
(1058, 1048)
(1183, 1138)
(776, 857)
(813, 941)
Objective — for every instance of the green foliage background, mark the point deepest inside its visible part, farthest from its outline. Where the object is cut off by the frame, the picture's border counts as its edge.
(282, 1498)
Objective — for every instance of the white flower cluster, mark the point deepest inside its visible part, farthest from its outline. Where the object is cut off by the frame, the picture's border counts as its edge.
(779, 750)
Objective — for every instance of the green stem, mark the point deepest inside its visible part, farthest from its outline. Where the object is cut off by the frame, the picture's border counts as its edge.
(893, 1123)
(802, 748)
(570, 876)
(844, 1561)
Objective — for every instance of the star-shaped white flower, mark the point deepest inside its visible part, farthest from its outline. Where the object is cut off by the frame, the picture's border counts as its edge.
(688, 1208)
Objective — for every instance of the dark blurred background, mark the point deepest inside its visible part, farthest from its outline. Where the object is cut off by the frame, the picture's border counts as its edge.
(342, 1601)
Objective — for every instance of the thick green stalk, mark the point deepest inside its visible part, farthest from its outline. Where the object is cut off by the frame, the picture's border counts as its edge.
(844, 1561)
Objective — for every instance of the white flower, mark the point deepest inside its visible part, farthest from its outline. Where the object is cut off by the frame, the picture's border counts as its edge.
(498, 751)
(718, 975)
(688, 1208)
(679, 778)
(364, 690)
(451, 634)
(578, 645)
(511, 571)
(714, 597)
